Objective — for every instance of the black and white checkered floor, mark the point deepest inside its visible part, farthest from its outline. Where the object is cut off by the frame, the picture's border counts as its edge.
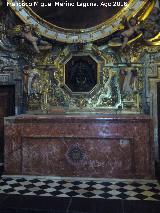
(106, 189)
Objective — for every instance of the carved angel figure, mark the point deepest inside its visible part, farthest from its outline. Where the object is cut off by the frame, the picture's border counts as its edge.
(28, 34)
(121, 37)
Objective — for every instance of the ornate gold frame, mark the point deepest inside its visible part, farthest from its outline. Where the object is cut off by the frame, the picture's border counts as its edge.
(134, 8)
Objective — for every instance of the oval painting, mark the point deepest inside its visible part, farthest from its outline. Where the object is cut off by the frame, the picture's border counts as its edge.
(74, 14)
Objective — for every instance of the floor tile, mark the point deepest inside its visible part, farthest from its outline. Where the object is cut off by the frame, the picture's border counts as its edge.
(109, 189)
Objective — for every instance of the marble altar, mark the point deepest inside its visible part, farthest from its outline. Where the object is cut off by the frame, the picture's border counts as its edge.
(99, 146)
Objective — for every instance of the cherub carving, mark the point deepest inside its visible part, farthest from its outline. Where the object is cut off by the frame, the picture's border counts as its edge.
(28, 33)
(132, 31)
(121, 38)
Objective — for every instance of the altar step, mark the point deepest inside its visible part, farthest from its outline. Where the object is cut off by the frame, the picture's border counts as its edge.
(39, 204)
(80, 188)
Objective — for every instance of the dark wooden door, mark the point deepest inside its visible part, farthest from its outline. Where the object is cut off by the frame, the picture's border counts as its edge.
(7, 108)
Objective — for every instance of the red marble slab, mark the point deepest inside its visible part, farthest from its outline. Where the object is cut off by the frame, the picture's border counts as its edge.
(103, 146)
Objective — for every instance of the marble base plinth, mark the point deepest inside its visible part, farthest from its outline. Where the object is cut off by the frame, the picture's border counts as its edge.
(102, 146)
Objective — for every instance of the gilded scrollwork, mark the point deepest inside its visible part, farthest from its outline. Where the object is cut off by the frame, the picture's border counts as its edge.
(116, 88)
(118, 83)
(108, 95)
